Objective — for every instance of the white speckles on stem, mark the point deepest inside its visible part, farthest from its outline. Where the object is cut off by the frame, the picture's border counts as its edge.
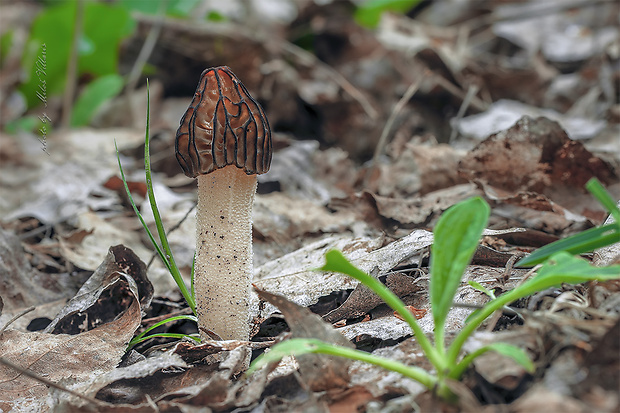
(223, 268)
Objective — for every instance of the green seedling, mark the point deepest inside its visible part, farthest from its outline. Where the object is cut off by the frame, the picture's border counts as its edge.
(163, 250)
(143, 337)
(586, 241)
(456, 236)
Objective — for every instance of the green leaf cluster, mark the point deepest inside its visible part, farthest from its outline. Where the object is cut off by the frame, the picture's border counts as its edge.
(456, 237)
(51, 36)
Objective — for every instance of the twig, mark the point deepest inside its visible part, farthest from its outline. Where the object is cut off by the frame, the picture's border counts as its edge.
(145, 53)
(15, 317)
(175, 227)
(355, 93)
(157, 319)
(67, 100)
(455, 91)
(388, 125)
(471, 92)
(49, 383)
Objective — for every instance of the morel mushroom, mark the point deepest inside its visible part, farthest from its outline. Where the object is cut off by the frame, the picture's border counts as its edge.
(224, 140)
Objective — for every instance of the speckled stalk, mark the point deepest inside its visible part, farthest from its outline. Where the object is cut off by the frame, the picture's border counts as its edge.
(223, 268)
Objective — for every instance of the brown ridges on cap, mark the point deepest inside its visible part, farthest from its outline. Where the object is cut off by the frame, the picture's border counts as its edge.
(223, 126)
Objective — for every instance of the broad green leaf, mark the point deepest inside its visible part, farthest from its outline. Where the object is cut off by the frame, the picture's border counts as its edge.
(6, 42)
(47, 51)
(336, 262)
(456, 238)
(369, 12)
(560, 268)
(93, 96)
(565, 268)
(27, 123)
(292, 347)
(515, 353)
(585, 241)
(178, 8)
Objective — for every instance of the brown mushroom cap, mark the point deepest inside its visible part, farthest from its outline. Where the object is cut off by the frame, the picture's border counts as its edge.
(223, 126)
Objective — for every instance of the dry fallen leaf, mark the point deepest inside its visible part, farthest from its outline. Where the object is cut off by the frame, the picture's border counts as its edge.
(319, 372)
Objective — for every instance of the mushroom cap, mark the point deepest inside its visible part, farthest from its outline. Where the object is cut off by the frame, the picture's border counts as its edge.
(223, 126)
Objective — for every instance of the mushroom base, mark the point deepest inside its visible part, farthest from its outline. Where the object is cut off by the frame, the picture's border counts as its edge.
(223, 268)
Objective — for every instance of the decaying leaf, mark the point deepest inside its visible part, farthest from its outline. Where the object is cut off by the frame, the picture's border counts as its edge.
(119, 280)
(318, 371)
(57, 357)
(20, 284)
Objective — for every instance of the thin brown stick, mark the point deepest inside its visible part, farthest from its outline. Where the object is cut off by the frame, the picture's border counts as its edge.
(388, 125)
(49, 383)
(145, 53)
(355, 93)
(67, 99)
(15, 317)
(471, 92)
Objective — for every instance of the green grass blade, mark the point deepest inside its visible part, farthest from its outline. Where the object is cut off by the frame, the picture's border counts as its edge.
(139, 338)
(166, 335)
(599, 192)
(300, 346)
(192, 277)
(508, 350)
(336, 262)
(560, 268)
(477, 286)
(457, 234)
(585, 241)
(173, 268)
(138, 214)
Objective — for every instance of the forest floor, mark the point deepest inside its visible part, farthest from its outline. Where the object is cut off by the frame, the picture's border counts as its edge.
(376, 132)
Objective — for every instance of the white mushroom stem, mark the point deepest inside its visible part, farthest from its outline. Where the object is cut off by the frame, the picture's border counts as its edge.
(223, 268)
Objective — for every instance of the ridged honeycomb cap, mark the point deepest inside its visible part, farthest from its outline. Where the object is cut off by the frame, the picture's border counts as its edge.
(223, 126)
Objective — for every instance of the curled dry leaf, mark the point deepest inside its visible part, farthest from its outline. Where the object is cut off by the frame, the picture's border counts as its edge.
(546, 158)
(100, 320)
(20, 284)
(319, 372)
(117, 282)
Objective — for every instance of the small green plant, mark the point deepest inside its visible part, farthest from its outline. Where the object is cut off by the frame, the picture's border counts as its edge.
(456, 237)
(586, 241)
(163, 250)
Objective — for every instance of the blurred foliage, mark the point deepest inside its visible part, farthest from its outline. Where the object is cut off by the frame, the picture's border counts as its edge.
(176, 8)
(6, 41)
(105, 25)
(49, 46)
(369, 13)
(93, 96)
(28, 123)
